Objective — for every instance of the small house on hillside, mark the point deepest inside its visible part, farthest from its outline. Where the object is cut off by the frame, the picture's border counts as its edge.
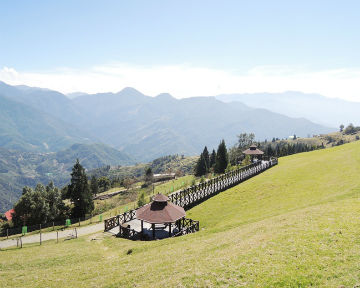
(163, 177)
(254, 152)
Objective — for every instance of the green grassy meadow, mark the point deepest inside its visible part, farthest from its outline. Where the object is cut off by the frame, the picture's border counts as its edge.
(295, 225)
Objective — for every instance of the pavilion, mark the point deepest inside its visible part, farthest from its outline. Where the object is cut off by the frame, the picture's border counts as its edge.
(160, 212)
(253, 151)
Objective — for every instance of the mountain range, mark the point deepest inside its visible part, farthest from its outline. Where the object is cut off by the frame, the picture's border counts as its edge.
(138, 125)
(327, 111)
(42, 132)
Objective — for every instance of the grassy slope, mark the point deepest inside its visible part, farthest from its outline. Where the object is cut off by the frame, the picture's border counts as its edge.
(294, 225)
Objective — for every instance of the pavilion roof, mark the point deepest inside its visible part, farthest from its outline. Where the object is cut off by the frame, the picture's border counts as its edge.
(161, 210)
(253, 151)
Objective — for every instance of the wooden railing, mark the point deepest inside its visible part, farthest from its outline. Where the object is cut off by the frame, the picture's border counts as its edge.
(115, 221)
(128, 233)
(187, 226)
(196, 194)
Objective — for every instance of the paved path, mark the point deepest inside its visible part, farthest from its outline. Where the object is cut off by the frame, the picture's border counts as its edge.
(68, 233)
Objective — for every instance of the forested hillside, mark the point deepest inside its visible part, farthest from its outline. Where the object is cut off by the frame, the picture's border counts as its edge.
(18, 169)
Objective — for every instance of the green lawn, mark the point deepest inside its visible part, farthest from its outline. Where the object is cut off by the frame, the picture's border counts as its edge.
(295, 225)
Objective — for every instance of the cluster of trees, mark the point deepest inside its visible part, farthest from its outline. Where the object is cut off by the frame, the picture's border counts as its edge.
(216, 162)
(45, 203)
(39, 205)
(350, 129)
(284, 149)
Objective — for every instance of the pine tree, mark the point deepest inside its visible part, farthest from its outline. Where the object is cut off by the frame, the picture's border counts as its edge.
(94, 186)
(212, 159)
(79, 191)
(221, 161)
(206, 156)
(200, 168)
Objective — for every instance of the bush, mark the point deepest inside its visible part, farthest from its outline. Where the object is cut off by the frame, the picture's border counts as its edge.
(141, 199)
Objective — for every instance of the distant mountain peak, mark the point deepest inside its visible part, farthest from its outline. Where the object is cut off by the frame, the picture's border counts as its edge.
(165, 96)
(130, 91)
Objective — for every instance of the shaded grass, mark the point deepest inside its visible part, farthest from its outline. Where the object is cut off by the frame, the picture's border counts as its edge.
(295, 225)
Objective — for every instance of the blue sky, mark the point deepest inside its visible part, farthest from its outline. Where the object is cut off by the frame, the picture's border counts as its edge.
(59, 38)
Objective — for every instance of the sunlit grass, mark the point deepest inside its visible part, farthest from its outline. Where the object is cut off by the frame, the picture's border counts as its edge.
(295, 225)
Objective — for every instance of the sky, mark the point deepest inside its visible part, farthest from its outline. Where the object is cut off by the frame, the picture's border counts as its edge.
(185, 48)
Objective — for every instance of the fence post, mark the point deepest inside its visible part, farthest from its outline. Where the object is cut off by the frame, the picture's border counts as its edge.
(40, 236)
(21, 242)
(57, 236)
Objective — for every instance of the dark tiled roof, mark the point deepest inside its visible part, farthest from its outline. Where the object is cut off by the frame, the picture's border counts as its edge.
(159, 212)
(160, 198)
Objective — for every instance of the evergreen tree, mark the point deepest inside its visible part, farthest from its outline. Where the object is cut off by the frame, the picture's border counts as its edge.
(149, 176)
(94, 186)
(79, 191)
(221, 161)
(212, 159)
(200, 168)
(206, 156)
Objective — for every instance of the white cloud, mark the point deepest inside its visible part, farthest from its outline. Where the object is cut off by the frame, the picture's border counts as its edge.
(187, 80)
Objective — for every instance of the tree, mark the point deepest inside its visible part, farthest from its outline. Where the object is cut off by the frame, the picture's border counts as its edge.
(246, 161)
(32, 207)
(79, 191)
(342, 127)
(104, 183)
(128, 182)
(212, 159)
(350, 129)
(41, 205)
(200, 167)
(221, 161)
(57, 208)
(141, 199)
(206, 156)
(149, 176)
(235, 155)
(94, 186)
(245, 140)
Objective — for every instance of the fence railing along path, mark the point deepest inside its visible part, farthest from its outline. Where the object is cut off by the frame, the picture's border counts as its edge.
(194, 195)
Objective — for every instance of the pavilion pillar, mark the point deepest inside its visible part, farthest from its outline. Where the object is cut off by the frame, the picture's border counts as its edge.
(153, 228)
(169, 229)
(142, 227)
